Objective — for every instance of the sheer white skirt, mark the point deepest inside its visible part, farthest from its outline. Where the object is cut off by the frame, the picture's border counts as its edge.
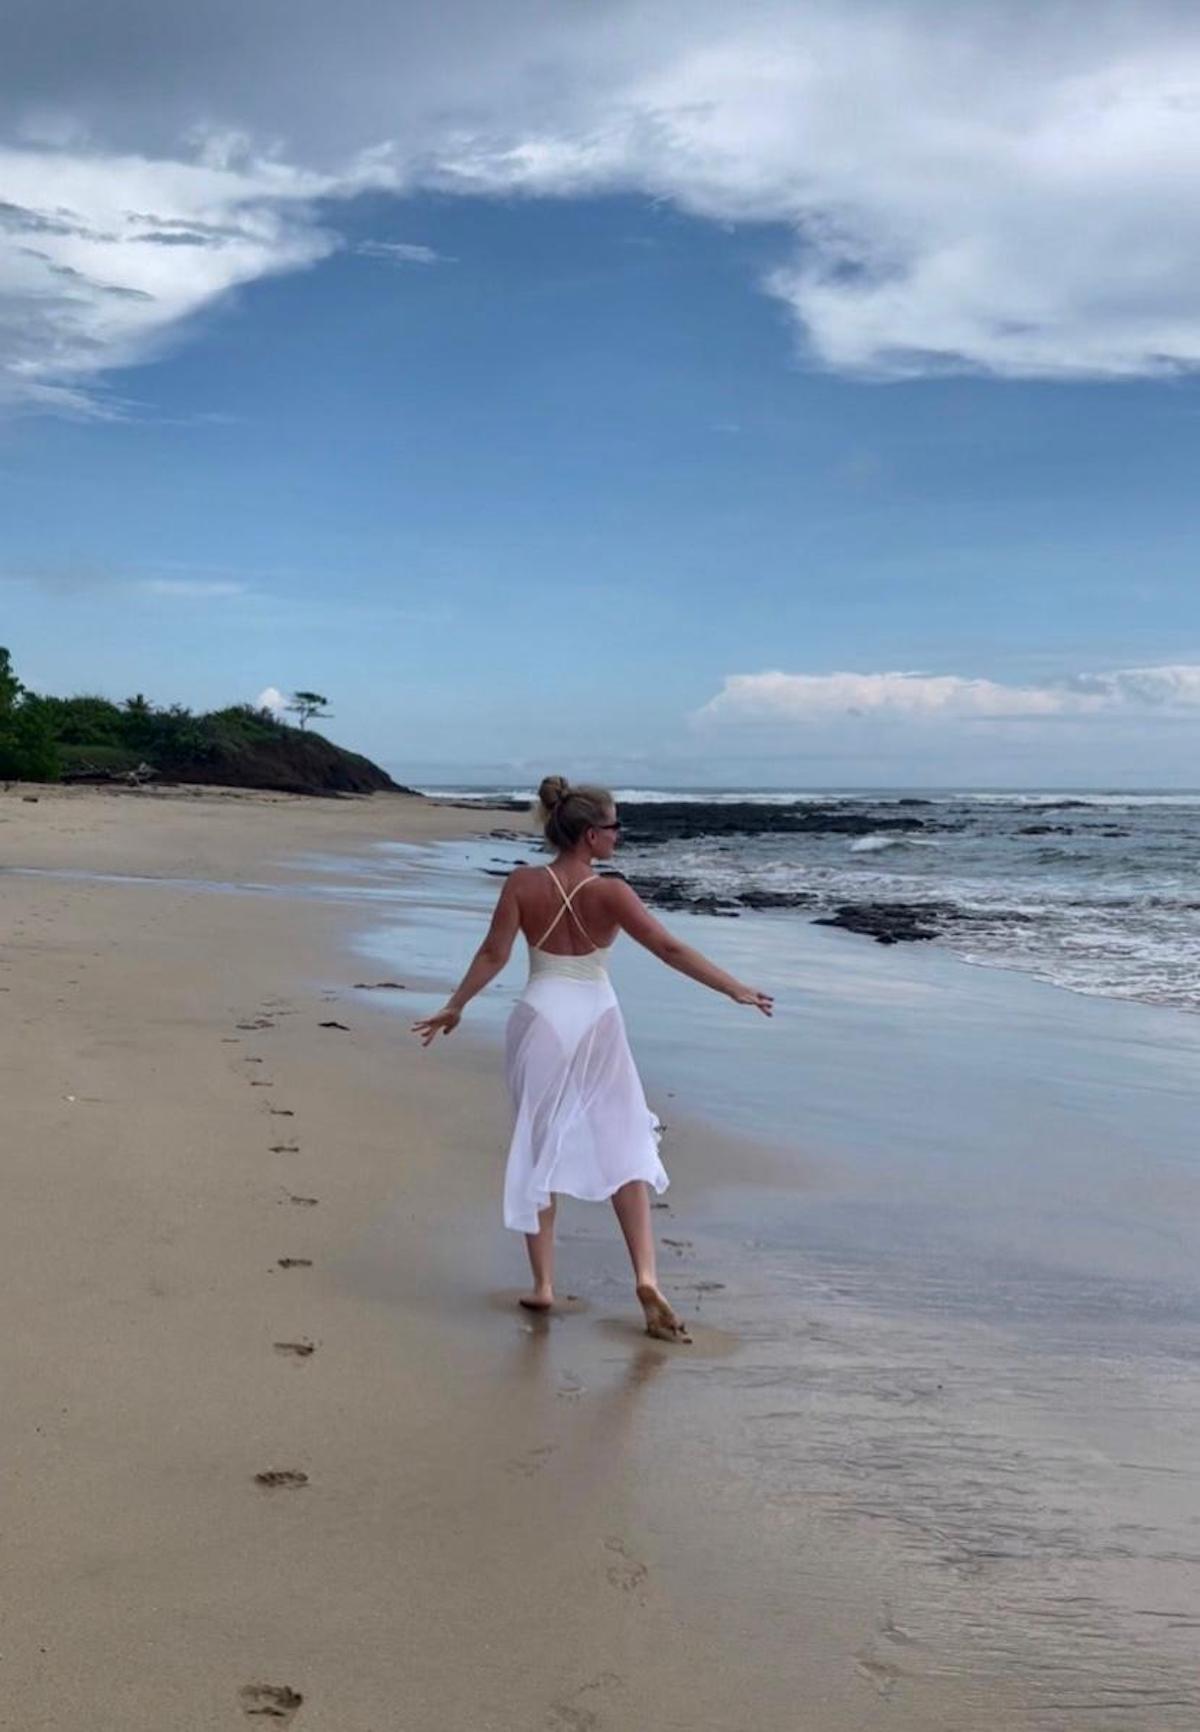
(582, 1126)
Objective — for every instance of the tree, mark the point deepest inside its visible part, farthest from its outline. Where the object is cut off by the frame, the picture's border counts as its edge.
(306, 705)
(27, 748)
(10, 685)
(137, 722)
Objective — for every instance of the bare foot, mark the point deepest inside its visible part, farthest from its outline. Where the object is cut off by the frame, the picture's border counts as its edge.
(661, 1321)
(541, 1299)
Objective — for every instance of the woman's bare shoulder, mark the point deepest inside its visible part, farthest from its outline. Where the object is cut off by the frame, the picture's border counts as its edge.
(615, 890)
(522, 877)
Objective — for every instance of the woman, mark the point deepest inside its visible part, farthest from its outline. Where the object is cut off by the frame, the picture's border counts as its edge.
(583, 1128)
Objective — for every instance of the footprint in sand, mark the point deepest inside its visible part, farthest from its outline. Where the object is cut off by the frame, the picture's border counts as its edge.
(285, 1148)
(533, 1460)
(679, 1246)
(281, 1478)
(570, 1387)
(625, 1572)
(303, 1202)
(295, 1262)
(262, 1085)
(281, 1112)
(570, 1717)
(882, 1673)
(272, 1701)
(885, 1674)
(296, 1349)
(891, 1631)
(571, 1714)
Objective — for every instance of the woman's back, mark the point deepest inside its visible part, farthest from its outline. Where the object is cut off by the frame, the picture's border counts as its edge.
(560, 916)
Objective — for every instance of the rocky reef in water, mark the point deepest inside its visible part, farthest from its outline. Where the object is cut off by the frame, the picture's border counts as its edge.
(651, 824)
(907, 922)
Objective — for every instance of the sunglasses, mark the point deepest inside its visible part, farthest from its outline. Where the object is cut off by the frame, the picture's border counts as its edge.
(615, 825)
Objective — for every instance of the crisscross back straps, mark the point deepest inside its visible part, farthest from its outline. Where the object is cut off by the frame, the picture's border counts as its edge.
(568, 899)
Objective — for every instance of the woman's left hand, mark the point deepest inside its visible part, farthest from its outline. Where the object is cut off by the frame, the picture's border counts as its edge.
(443, 1021)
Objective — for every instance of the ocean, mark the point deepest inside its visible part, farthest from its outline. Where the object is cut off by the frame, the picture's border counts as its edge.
(1095, 892)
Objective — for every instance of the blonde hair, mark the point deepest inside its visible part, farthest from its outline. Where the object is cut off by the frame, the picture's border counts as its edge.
(566, 812)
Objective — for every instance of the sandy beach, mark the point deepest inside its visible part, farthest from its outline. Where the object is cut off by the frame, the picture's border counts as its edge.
(250, 1229)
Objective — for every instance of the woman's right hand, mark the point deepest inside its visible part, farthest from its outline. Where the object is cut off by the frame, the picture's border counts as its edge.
(751, 995)
(443, 1021)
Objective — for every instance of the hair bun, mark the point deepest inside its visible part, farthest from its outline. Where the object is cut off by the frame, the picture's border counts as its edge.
(552, 790)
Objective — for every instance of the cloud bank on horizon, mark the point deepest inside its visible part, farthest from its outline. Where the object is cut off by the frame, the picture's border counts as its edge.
(783, 699)
(1007, 190)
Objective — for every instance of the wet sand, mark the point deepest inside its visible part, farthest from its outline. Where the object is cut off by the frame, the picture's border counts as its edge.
(239, 1243)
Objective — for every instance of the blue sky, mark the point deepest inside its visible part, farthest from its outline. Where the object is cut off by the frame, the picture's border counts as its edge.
(628, 471)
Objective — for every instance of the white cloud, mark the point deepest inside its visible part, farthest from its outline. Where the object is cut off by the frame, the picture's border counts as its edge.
(270, 698)
(1006, 188)
(103, 257)
(795, 699)
(400, 252)
(190, 589)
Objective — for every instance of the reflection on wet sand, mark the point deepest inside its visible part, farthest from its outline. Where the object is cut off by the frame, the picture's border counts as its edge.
(996, 1471)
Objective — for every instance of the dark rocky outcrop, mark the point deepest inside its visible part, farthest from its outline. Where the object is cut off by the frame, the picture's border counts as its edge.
(687, 898)
(651, 825)
(889, 922)
(678, 893)
(910, 922)
(1046, 830)
(765, 899)
(293, 762)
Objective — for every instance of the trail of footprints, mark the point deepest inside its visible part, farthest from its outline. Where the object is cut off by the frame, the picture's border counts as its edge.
(280, 1703)
(276, 1703)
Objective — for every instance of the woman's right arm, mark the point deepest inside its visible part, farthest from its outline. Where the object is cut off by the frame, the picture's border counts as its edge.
(636, 919)
(486, 964)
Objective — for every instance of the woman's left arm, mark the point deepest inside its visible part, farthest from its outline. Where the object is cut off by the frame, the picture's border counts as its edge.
(486, 964)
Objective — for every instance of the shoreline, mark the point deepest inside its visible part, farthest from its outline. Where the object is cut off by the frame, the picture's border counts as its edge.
(1098, 904)
(504, 1524)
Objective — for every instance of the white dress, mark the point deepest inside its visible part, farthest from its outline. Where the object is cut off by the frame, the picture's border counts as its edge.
(582, 1128)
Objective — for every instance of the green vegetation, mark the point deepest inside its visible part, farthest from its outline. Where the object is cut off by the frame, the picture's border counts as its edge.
(45, 738)
(27, 746)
